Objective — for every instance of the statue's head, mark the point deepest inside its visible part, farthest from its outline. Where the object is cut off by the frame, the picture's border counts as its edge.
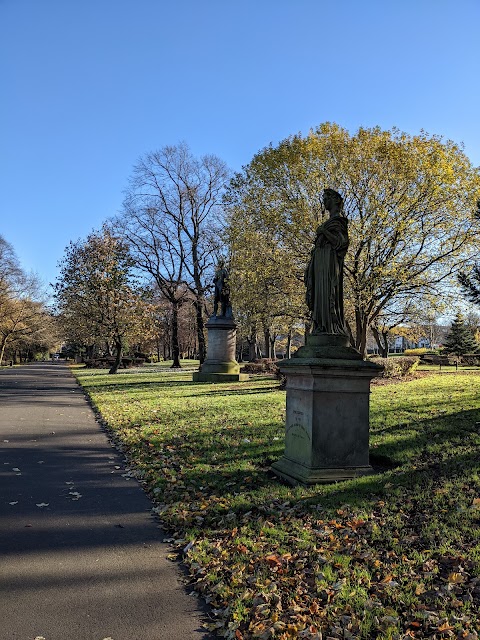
(333, 202)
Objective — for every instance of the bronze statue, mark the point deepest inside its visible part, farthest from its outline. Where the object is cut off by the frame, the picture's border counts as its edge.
(324, 274)
(222, 291)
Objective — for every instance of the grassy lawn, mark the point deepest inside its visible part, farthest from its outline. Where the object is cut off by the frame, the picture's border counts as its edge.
(393, 555)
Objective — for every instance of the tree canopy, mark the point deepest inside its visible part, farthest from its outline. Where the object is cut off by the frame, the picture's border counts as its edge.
(25, 322)
(410, 201)
(96, 293)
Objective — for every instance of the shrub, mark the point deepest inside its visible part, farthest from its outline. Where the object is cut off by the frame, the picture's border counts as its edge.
(263, 365)
(415, 352)
(397, 367)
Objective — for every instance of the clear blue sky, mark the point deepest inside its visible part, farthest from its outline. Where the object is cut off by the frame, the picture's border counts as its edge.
(89, 86)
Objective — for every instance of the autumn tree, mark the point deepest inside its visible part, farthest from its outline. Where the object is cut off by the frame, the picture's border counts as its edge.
(24, 318)
(38, 333)
(266, 298)
(10, 270)
(387, 323)
(409, 201)
(96, 291)
(170, 221)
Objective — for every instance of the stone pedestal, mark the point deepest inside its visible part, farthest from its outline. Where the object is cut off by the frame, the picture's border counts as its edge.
(220, 364)
(327, 424)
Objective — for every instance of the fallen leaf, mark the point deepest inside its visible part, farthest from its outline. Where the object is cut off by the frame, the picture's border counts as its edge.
(456, 578)
(273, 561)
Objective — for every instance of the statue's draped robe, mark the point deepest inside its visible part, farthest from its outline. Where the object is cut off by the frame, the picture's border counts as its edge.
(324, 277)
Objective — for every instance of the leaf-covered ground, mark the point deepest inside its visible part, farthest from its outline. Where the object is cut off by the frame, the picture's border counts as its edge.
(392, 555)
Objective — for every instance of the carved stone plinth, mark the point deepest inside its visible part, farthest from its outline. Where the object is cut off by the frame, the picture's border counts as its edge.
(327, 424)
(220, 364)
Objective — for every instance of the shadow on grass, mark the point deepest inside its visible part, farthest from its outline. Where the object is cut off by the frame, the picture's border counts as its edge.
(437, 453)
(238, 392)
(200, 389)
(428, 437)
(129, 385)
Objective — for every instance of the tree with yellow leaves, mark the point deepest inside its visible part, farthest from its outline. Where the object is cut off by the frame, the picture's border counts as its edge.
(410, 201)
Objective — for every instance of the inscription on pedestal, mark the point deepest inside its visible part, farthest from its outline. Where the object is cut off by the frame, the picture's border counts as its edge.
(297, 436)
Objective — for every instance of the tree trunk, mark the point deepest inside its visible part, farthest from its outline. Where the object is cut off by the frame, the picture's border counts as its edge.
(252, 348)
(202, 346)
(175, 346)
(118, 356)
(273, 339)
(382, 345)
(2, 352)
(361, 324)
(350, 332)
(267, 338)
(289, 345)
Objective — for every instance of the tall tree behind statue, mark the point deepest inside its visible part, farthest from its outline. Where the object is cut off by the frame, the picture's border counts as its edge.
(410, 202)
(170, 220)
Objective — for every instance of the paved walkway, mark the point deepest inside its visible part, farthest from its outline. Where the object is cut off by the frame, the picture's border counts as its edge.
(81, 556)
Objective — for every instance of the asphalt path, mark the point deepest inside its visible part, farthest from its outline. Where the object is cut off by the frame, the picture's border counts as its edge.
(81, 555)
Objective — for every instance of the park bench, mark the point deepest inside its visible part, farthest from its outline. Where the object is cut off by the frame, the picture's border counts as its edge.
(447, 360)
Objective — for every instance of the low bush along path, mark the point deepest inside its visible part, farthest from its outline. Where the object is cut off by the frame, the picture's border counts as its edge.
(393, 555)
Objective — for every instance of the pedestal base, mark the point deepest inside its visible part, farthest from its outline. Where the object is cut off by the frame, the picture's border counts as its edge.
(220, 364)
(327, 424)
(295, 473)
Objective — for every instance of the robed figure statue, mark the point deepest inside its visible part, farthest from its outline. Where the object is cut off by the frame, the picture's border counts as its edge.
(324, 274)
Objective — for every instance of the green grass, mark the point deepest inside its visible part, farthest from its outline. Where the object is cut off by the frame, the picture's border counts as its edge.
(381, 556)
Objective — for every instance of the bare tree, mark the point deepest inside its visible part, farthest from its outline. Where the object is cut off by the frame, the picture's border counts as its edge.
(170, 220)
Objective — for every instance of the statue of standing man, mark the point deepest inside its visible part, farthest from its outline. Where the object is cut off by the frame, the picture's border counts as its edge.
(222, 292)
(324, 274)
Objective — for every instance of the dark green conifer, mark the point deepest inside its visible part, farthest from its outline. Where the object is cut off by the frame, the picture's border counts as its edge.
(460, 340)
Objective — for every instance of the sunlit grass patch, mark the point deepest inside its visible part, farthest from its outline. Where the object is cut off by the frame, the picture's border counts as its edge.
(366, 557)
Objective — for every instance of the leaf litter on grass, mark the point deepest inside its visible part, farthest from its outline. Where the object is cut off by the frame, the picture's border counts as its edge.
(393, 555)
